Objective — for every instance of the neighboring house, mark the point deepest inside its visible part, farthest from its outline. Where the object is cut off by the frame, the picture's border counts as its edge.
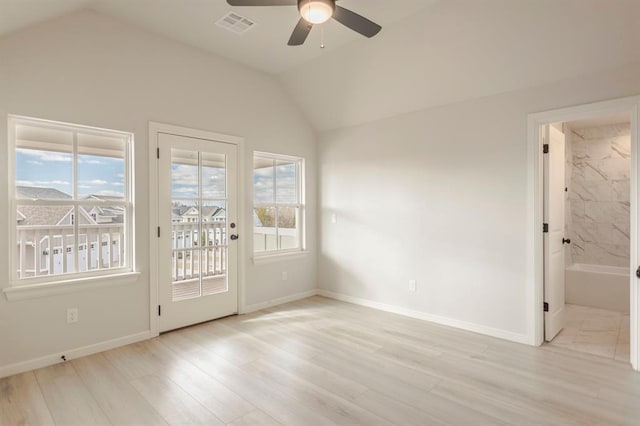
(186, 236)
(106, 214)
(182, 214)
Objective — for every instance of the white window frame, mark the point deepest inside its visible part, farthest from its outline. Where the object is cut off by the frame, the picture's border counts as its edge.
(39, 285)
(262, 256)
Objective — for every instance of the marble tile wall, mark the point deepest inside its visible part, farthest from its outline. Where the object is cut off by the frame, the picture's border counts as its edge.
(568, 171)
(598, 207)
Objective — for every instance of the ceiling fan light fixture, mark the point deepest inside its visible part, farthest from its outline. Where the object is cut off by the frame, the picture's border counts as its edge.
(316, 11)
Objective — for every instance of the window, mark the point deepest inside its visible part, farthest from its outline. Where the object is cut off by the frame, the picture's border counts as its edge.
(278, 211)
(71, 188)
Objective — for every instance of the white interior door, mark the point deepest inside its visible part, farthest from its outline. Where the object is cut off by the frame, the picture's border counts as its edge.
(554, 184)
(197, 265)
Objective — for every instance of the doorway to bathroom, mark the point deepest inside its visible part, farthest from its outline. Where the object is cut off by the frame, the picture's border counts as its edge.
(585, 252)
(587, 167)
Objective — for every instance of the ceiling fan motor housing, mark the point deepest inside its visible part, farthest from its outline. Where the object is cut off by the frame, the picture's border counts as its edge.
(316, 11)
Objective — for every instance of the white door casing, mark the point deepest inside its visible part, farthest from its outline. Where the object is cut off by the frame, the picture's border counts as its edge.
(554, 204)
(197, 259)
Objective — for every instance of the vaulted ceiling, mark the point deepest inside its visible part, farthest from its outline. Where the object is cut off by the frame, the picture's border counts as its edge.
(429, 53)
(193, 22)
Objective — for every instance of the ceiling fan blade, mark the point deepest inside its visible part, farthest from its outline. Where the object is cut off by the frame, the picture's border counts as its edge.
(300, 33)
(357, 23)
(262, 2)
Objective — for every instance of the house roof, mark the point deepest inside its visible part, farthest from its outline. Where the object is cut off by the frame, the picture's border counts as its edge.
(31, 215)
(41, 193)
(104, 197)
(39, 215)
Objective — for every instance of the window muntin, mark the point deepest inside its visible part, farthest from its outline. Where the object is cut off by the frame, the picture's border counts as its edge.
(71, 188)
(278, 210)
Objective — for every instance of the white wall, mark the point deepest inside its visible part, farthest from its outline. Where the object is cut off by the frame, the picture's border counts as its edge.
(90, 69)
(439, 196)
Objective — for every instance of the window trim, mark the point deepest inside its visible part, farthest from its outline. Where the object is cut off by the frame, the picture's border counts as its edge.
(274, 255)
(19, 285)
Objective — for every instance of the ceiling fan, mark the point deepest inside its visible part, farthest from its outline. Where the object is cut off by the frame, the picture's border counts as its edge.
(317, 12)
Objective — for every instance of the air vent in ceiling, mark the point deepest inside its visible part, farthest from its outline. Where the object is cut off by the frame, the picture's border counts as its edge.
(235, 23)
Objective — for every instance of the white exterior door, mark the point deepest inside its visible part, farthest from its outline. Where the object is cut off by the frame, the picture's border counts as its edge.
(554, 197)
(197, 208)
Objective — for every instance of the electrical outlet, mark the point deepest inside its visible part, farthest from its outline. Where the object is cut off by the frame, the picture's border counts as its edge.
(413, 286)
(285, 276)
(72, 315)
(334, 218)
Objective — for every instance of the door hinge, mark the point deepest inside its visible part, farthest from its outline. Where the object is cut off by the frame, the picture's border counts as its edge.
(545, 306)
(158, 232)
(545, 149)
(545, 228)
(159, 310)
(158, 153)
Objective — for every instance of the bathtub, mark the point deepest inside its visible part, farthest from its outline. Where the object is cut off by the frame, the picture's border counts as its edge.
(605, 287)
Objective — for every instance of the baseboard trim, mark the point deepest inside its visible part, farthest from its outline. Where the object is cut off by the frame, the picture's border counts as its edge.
(279, 301)
(32, 364)
(476, 328)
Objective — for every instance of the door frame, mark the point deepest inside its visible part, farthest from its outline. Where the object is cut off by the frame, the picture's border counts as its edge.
(535, 199)
(155, 129)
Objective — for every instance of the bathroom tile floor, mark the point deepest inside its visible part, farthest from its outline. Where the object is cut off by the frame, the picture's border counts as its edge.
(595, 331)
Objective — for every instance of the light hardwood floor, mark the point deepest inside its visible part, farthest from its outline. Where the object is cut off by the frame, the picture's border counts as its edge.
(319, 361)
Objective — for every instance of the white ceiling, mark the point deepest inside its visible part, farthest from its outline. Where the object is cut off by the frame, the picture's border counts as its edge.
(457, 50)
(193, 22)
(429, 53)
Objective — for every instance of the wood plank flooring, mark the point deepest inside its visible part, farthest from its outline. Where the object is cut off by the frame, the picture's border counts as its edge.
(320, 362)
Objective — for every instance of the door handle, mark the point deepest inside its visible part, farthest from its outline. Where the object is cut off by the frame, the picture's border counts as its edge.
(566, 241)
(233, 237)
(638, 272)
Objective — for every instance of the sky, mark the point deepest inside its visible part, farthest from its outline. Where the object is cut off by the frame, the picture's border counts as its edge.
(184, 178)
(263, 192)
(105, 176)
(47, 169)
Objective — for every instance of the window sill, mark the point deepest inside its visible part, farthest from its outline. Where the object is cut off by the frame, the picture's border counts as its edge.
(33, 291)
(277, 257)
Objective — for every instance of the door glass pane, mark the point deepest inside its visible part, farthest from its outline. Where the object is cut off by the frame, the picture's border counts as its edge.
(184, 173)
(214, 247)
(213, 175)
(199, 225)
(186, 276)
(185, 219)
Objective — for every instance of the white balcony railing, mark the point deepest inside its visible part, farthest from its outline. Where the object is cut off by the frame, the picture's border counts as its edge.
(51, 249)
(196, 254)
(266, 239)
